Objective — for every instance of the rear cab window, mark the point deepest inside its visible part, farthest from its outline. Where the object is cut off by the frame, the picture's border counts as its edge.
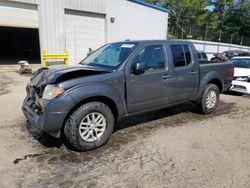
(199, 55)
(204, 55)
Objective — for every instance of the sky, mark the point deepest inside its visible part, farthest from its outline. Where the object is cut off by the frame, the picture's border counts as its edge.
(211, 7)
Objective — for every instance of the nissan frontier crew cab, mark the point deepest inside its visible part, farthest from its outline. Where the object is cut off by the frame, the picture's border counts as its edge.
(85, 102)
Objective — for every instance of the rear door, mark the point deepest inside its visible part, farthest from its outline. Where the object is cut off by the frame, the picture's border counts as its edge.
(185, 71)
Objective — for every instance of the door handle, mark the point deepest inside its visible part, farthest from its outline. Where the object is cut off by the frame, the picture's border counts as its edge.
(193, 72)
(166, 76)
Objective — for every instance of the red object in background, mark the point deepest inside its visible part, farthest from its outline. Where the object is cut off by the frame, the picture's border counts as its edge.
(227, 55)
(233, 71)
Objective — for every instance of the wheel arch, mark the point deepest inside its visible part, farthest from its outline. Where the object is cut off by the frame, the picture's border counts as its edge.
(210, 78)
(106, 100)
(218, 83)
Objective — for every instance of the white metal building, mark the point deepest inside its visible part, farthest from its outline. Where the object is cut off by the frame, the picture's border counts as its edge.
(77, 25)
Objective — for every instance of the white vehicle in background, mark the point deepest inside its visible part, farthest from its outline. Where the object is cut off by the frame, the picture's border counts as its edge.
(241, 81)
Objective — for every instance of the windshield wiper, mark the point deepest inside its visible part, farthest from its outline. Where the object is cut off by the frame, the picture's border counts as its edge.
(88, 65)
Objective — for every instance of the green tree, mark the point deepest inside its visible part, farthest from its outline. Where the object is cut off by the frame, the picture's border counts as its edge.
(237, 23)
(208, 19)
(184, 15)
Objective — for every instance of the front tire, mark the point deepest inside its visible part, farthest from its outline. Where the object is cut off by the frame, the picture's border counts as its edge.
(210, 99)
(89, 126)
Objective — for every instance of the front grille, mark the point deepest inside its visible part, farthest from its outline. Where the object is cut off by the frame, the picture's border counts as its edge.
(33, 91)
(33, 98)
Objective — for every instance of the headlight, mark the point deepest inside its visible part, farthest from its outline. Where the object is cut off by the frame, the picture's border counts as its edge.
(51, 92)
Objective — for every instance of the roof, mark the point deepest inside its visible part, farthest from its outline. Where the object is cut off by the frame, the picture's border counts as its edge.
(151, 6)
(155, 41)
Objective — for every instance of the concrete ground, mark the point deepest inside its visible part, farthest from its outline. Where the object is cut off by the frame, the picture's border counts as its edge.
(174, 147)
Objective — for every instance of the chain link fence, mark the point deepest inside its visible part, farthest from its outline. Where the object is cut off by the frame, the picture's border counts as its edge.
(208, 35)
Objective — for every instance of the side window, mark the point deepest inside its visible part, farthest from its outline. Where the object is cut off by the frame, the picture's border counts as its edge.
(204, 55)
(181, 55)
(153, 56)
(178, 55)
(187, 54)
(199, 55)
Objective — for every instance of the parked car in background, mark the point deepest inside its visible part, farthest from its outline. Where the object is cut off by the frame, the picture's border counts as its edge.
(241, 81)
(202, 56)
(227, 55)
(85, 102)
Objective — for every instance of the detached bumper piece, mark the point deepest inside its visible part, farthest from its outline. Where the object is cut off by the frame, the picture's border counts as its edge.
(241, 87)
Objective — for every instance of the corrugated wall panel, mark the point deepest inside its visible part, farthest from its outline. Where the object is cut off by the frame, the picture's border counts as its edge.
(97, 6)
(12, 12)
(134, 21)
(26, 1)
(51, 25)
(33, 1)
(83, 31)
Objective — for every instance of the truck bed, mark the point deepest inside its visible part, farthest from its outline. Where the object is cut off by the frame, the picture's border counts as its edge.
(222, 69)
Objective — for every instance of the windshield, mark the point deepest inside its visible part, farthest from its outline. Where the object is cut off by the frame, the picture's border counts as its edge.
(241, 63)
(110, 55)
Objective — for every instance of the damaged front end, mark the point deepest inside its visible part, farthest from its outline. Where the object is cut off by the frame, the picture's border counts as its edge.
(47, 103)
(34, 91)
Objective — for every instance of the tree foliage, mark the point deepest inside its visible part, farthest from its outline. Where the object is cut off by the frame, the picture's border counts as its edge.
(225, 20)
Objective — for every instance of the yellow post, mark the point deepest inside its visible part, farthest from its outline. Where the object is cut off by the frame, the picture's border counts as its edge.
(43, 58)
(66, 60)
(46, 56)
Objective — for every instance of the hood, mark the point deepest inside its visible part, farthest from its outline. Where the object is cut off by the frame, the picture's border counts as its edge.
(60, 73)
(241, 72)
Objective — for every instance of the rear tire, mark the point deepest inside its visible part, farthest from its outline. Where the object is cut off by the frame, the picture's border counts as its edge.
(209, 99)
(89, 126)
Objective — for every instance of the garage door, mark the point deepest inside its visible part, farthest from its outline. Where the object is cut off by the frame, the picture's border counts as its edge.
(18, 15)
(83, 31)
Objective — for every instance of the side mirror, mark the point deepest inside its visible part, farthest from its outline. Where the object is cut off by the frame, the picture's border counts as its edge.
(139, 68)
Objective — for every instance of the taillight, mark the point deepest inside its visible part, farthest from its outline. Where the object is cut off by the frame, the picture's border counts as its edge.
(233, 71)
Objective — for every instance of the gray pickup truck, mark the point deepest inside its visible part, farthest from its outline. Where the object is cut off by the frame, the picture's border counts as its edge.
(84, 102)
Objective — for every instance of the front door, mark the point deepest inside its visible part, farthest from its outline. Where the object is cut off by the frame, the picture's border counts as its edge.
(146, 91)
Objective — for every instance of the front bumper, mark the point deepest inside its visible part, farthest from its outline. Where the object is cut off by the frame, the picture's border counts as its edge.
(32, 116)
(240, 86)
(52, 114)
